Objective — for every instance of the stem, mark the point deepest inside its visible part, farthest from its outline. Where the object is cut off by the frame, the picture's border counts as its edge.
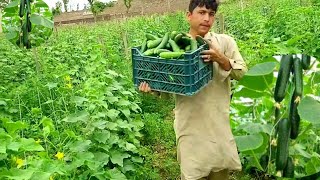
(257, 161)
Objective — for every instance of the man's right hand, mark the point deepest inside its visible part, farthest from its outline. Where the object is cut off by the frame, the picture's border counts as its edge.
(144, 87)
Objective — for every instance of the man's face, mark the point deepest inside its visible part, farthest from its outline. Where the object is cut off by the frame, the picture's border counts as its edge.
(201, 20)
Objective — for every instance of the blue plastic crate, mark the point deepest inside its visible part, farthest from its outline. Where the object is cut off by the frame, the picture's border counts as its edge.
(185, 76)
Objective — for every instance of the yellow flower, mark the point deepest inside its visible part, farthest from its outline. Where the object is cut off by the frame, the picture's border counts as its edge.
(19, 162)
(67, 78)
(69, 86)
(38, 141)
(51, 178)
(59, 155)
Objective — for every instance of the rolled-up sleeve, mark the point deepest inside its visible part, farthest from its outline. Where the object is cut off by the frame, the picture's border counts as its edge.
(238, 65)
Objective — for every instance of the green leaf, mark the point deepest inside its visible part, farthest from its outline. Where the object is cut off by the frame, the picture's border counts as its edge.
(20, 174)
(52, 85)
(259, 83)
(78, 116)
(30, 145)
(117, 157)
(137, 159)
(249, 93)
(115, 174)
(40, 20)
(102, 136)
(14, 146)
(249, 142)
(39, 4)
(13, 4)
(112, 99)
(113, 114)
(3, 103)
(124, 124)
(254, 128)
(301, 150)
(131, 147)
(12, 127)
(11, 35)
(309, 110)
(79, 100)
(261, 69)
(2, 148)
(126, 112)
(313, 165)
(80, 146)
(40, 175)
(101, 157)
(123, 102)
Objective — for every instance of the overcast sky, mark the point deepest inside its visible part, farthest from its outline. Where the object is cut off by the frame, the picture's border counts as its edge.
(72, 3)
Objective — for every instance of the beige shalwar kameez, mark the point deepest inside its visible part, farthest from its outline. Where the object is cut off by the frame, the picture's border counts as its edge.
(202, 126)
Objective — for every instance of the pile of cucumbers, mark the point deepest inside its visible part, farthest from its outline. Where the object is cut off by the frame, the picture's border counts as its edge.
(171, 45)
(26, 26)
(287, 127)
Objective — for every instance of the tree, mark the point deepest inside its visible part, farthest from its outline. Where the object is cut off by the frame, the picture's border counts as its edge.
(65, 5)
(128, 4)
(97, 7)
(57, 9)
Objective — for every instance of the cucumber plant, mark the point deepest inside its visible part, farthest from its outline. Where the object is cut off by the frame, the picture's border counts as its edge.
(27, 23)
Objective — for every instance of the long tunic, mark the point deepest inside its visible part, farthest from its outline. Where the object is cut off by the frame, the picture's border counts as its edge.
(205, 142)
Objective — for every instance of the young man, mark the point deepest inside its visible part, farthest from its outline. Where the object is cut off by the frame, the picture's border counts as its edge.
(205, 145)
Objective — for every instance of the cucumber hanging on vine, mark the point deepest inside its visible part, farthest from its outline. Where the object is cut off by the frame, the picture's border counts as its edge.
(22, 7)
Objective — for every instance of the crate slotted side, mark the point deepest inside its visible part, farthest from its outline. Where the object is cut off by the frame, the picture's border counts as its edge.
(185, 76)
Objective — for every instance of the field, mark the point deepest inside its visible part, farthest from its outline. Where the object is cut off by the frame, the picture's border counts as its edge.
(69, 110)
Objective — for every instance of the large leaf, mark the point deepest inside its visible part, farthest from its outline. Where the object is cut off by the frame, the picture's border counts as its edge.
(78, 116)
(254, 128)
(13, 4)
(309, 110)
(259, 83)
(102, 136)
(118, 156)
(249, 142)
(2, 148)
(30, 145)
(115, 174)
(20, 174)
(313, 165)
(249, 93)
(261, 69)
(80, 146)
(40, 20)
(40, 175)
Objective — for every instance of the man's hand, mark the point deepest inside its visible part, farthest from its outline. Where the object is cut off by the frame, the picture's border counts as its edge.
(213, 54)
(144, 87)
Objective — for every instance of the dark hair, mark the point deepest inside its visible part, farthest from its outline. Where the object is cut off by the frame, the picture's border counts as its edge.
(209, 4)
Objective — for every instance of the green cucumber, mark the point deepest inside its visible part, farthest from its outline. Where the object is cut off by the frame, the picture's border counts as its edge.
(294, 117)
(28, 46)
(188, 48)
(151, 36)
(282, 143)
(149, 52)
(158, 51)
(171, 55)
(25, 34)
(173, 34)
(29, 25)
(288, 171)
(306, 60)
(164, 41)
(28, 6)
(174, 46)
(143, 46)
(22, 6)
(283, 77)
(178, 37)
(194, 45)
(153, 43)
(200, 40)
(297, 71)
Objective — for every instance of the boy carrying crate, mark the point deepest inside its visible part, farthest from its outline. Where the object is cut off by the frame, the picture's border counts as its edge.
(206, 147)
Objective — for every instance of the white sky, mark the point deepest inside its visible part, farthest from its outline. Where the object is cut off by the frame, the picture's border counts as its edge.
(72, 3)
